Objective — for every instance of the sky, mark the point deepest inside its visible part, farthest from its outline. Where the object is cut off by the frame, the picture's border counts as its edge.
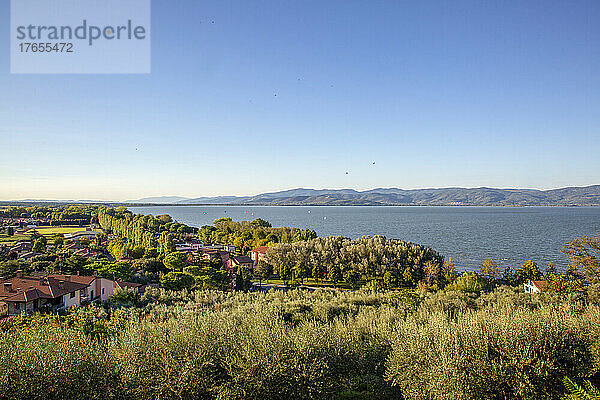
(247, 97)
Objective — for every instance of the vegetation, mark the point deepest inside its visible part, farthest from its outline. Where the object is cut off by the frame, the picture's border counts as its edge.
(389, 261)
(437, 335)
(56, 215)
(298, 344)
(247, 235)
(576, 392)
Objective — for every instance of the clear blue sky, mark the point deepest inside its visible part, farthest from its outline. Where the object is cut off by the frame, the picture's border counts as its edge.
(276, 94)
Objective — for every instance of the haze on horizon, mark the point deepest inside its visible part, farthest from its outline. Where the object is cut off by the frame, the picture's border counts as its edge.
(252, 98)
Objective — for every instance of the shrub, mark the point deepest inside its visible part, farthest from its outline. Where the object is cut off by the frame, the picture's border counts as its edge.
(55, 362)
(469, 282)
(497, 354)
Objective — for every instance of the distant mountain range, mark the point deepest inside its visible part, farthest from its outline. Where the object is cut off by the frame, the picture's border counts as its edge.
(570, 196)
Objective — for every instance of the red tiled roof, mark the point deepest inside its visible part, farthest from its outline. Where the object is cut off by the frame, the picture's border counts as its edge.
(261, 249)
(242, 260)
(27, 296)
(86, 280)
(51, 287)
(119, 284)
(541, 285)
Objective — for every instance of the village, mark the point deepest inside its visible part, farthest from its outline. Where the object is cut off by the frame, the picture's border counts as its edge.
(44, 291)
(83, 255)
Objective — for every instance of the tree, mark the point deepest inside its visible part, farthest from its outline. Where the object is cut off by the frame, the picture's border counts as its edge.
(58, 240)
(243, 280)
(150, 252)
(563, 283)
(585, 255)
(301, 271)
(39, 246)
(390, 279)
(528, 271)
(10, 231)
(285, 272)
(352, 278)
(175, 261)
(508, 276)
(177, 281)
(263, 270)
(407, 276)
(317, 272)
(148, 265)
(449, 273)
(261, 223)
(135, 252)
(469, 282)
(99, 238)
(167, 245)
(334, 274)
(433, 272)
(9, 268)
(489, 271)
(164, 218)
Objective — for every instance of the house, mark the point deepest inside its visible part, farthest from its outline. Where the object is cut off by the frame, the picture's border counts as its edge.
(224, 247)
(22, 246)
(535, 286)
(97, 288)
(190, 245)
(30, 294)
(73, 247)
(241, 261)
(57, 291)
(28, 256)
(186, 247)
(258, 254)
(122, 285)
(211, 254)
(83, 253)
(229, 248)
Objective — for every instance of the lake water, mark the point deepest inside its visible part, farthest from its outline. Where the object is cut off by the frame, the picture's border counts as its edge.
(508, 235)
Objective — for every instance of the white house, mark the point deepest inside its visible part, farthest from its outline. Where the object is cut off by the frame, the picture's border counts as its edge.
(535, 286)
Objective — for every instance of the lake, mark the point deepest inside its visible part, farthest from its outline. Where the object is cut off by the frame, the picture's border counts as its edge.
(508, 235)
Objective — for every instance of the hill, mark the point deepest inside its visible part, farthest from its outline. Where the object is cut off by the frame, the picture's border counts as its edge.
(570, 196)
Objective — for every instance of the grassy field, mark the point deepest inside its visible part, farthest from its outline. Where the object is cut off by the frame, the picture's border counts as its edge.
(47, 231)
(9, 240)
(53, 230)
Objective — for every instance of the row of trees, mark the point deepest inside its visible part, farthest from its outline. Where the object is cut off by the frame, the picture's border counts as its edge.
(140, 231)
(57, 215)
(396, 263)
(246, 235)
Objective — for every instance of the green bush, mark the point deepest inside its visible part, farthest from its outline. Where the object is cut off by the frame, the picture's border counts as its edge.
(324, 344)
(55, 362)
(469, 282)
(500, 354)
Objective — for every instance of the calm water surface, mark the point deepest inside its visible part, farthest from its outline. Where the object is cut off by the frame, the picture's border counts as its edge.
(469, 235)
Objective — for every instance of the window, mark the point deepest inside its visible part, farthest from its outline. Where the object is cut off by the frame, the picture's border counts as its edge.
(102, 290)
(82, 293)
(72, 295)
